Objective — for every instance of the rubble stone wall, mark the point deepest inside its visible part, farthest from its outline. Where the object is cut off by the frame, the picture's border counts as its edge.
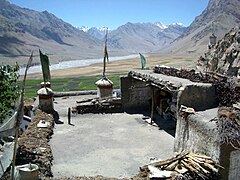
(199, 97)
(135, 94)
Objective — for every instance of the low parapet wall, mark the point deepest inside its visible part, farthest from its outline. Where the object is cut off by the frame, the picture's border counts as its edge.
(198, 96)
(75, 93)
(198, 134)
(195, 133)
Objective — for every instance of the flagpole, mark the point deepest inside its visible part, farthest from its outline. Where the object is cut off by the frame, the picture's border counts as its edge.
(105, 57)
(19, 115)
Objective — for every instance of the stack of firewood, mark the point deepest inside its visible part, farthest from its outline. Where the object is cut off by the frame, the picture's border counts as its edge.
(183, 166)
(227, 88)
(228, 125)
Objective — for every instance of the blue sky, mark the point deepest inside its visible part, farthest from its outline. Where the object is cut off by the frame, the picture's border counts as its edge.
(114, 13)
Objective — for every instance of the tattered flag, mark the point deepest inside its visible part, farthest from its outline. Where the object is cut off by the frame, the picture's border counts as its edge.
(45, 67)
(143, 61)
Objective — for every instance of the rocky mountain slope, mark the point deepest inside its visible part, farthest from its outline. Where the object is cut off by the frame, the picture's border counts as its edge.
(23, 30)
(144, 37)
(222, 15)
(224, 57)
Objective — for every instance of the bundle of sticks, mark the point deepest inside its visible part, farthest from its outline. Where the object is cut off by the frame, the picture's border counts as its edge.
(228, 125)
(183, 166)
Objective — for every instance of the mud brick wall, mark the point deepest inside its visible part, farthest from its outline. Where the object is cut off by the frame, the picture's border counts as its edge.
(198, 96)
(135, 94)
(195, 133)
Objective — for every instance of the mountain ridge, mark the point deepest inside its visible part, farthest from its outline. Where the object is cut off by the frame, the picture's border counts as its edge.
(23, 30)
(221, 14)
(27, 29)
(99, 32)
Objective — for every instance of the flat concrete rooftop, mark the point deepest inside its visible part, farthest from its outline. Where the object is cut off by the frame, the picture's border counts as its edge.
(171, 79)
(112, 145)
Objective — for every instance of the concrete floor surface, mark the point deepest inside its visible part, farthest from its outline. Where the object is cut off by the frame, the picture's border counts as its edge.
(112, 145)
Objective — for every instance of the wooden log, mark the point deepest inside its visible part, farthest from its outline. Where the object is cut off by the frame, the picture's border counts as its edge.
(211, 167)
(86, 100)
(166, 162)
(200, 156)
(191, 168)
(171, 166)
(199, 167)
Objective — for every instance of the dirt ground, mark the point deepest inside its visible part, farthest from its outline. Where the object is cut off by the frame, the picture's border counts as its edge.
(121, 66)
(112, 145)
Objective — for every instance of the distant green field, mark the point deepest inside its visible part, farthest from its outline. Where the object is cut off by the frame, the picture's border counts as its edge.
(69, 84)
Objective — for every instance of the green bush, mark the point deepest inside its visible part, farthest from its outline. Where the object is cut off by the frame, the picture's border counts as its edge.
(9, 90)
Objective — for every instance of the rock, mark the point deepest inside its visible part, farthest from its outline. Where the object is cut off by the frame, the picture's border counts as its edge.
(224, 57)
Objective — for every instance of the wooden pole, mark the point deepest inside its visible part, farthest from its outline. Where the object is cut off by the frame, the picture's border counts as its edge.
(69, 116)
(152, 109)
(105, 57)
(19, 116)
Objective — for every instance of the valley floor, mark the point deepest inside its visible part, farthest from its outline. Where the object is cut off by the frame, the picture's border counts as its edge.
(122, 66)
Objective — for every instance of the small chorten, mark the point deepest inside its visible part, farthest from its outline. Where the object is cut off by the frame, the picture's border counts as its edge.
(104, 87)
(45, 94)
(212, 39)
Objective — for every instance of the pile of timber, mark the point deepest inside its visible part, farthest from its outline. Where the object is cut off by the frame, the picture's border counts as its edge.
(227, 88)
(99, 105)
(183, 166)
(228, 125)
(191, 74)
(228, 91)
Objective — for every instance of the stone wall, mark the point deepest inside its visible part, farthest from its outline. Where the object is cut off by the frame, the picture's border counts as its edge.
(198, 96)
(135, 94)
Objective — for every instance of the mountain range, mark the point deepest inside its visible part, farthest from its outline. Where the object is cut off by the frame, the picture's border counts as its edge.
(24, 30)
(146, 37)
(135, 37)
(219, 17)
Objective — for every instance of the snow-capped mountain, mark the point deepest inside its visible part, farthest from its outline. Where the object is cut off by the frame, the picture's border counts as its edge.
(158, 30)
(160, 25)
(84, 28)
(96, 32)
(144, 37)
